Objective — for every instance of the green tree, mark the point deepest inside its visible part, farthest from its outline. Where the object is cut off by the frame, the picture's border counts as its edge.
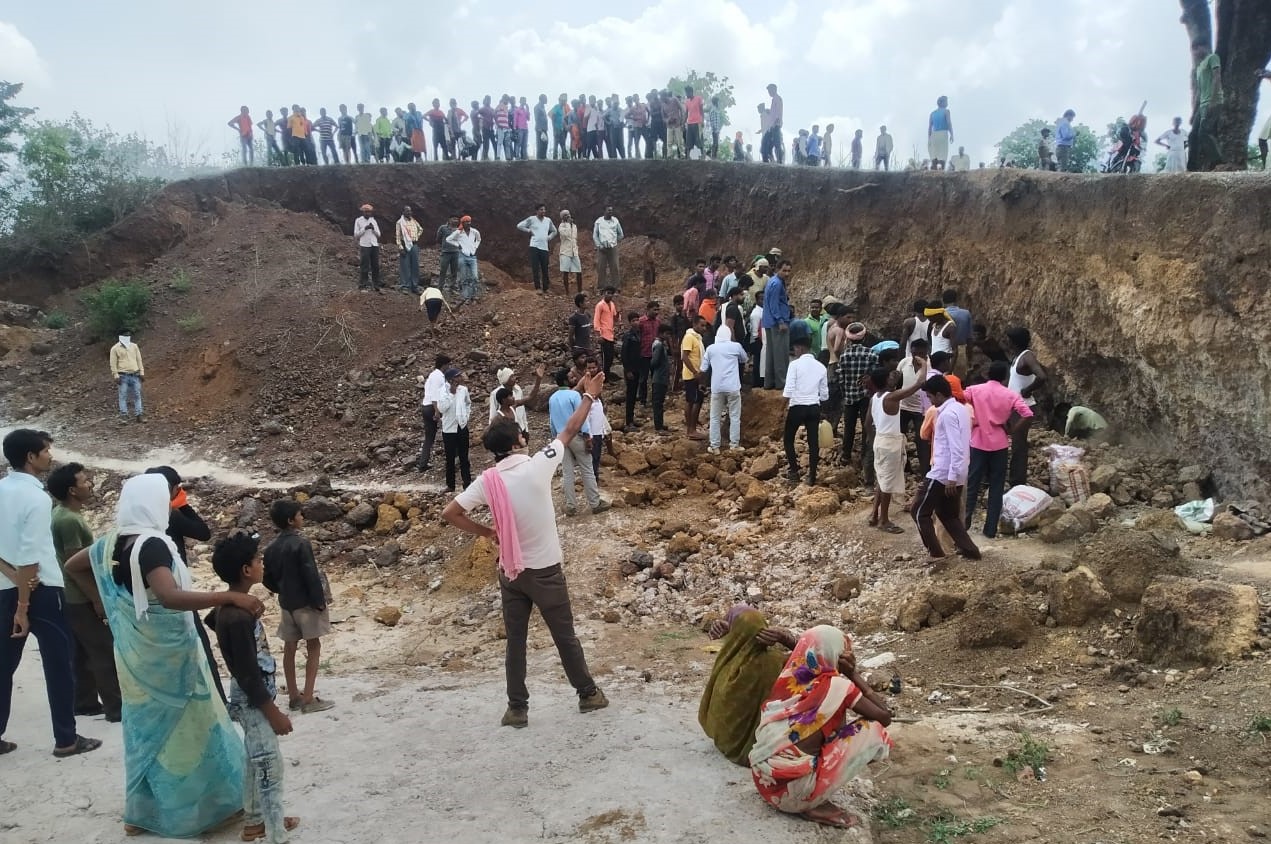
(12, 121)
(77, 180)
(1020, 146)
(706, 85)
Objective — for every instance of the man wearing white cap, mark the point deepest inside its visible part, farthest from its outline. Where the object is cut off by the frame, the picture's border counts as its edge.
(855, 361)
(570, 262)
(367, 234)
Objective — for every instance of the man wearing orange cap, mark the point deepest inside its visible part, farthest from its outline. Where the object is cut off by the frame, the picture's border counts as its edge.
(367, 234)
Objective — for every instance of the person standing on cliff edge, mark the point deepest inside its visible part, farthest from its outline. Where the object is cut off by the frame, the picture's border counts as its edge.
(367, 234)
(940, 134)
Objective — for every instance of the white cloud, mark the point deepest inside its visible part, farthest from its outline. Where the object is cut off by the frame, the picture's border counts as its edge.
(19, 60)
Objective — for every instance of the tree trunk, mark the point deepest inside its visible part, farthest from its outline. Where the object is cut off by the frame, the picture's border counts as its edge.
(1243, 46)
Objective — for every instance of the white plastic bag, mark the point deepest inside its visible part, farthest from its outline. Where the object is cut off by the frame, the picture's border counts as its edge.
(1021, 505)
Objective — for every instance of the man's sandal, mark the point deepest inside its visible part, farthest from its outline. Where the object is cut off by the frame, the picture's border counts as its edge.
(257, 831)
(81, 745)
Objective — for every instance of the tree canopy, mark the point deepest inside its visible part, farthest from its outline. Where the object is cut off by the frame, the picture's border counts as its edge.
(706, 85)
(1020, 146)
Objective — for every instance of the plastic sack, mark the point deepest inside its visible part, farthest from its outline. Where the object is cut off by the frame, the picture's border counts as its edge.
(1069, 478)
(825, 433)
(1196, 511)
(1021, 505)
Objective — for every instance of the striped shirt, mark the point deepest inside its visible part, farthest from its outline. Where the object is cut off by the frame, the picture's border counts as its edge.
(326, 128)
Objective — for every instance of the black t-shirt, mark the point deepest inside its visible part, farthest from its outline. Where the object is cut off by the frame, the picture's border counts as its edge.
(580, 330)
(346, 125)
(154, 555)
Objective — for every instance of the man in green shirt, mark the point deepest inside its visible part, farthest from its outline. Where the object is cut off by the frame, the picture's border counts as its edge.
(816, 320)
(1209, 98)
(72, 487)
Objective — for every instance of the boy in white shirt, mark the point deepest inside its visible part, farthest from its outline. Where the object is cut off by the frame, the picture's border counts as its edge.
(455, 405)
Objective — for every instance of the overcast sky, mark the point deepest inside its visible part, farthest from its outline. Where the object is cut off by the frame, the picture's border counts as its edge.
(176, 72)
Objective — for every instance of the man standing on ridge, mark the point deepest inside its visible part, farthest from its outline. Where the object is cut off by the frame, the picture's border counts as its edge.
(1065, 138)
(468, 239)
(939, 134)
(772, 147)
(883, 146)
(448, 257)
(408, 231)
(366, 231)
(541, 230)
(606, 234)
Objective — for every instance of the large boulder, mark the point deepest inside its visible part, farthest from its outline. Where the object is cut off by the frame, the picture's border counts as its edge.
(928, 607)
(766, 466)
(818, 501)
(386, 518)
(998, 616)
(1186, 621)
(1066, 528)
(1076, 597)
(322, 509)
(632, 462)
(755, 498)
(1126, 560)
(362, 516)
(1231, 526)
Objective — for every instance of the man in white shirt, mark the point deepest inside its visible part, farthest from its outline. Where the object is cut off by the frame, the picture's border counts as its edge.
(468, 239)
(807, 385)
(756, 343)
(606, 234)
(570, 260)
(31, 597)
(914, 405)
(541, 230)
(724, 360)
(408, 231)
(434, 384)
(961, 162)
(455, 406)
(367, 234)
(527, 482)
(941, 492)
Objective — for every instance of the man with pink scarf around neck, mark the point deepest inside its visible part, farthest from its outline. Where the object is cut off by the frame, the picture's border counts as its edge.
(518, 491)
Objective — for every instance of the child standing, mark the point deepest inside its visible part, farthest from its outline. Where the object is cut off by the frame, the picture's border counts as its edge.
(245, 649)
(598, 422)
(292, 574)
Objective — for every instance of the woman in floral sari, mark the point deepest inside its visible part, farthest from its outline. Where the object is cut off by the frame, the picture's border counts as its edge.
(183, 760)
(817, 731)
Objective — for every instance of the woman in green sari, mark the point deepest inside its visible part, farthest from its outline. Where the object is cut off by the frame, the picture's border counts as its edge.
(745, 669)
(183, 759)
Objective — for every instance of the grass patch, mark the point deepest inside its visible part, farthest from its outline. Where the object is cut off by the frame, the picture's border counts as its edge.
(56, 319)
(942, 780)
(1172, 717)
(117, 307)
(1031, 753)
(894, 813)
(193, 323)
(1261, 724)
(180, 282)
(943, 829)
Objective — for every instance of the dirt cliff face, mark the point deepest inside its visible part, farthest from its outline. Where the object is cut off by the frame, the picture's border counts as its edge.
(1144, 294)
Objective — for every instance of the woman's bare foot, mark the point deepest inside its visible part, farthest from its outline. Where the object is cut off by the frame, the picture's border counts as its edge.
(129, 829)
(252, 832)
(831, 815)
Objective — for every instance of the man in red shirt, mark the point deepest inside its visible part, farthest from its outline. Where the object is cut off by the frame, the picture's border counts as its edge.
(999, 411)
(649, 325)
(486, 115)
(693, 121)
(242, 122)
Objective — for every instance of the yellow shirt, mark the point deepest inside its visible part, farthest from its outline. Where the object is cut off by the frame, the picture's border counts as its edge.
(126, 360)
(691, 351)
(298, 125)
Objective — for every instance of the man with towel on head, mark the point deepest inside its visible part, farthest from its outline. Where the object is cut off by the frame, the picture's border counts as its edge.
(518, 491)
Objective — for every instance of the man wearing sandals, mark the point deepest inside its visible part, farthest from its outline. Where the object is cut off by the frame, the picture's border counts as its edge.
(31, 598)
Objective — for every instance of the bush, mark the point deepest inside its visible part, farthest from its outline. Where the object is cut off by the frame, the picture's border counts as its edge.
(180, 282)
(192, 324)
(117, 307)
(56, 319)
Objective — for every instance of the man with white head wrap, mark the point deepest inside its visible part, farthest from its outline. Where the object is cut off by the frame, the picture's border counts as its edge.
(724, 360)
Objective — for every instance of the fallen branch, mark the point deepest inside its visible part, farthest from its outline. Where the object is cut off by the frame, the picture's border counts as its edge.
(1045, 703)
(858, 187)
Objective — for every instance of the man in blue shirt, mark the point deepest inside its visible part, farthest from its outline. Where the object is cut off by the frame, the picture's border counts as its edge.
(962, 319)
(814, 147)
(1065, 138)
(776, 327)
(560, 407)
(31, 605)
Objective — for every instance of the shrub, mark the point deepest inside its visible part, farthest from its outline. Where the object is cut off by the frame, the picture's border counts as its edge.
(193, 323)
(180, 282)
(56, 319)
(117, 307)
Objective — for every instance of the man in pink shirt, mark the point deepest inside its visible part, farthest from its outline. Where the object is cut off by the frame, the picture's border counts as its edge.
(993, 404)
(940, 493)
(693, 121)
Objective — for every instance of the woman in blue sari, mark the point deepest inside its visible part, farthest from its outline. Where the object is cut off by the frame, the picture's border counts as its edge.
(183, 759)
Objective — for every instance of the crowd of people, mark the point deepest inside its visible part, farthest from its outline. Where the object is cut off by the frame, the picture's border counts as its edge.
(117, 620)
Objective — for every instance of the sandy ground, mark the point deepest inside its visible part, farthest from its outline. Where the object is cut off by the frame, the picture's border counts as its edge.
(418, 757)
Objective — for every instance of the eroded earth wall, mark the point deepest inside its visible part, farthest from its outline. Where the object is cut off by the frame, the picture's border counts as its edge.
(1145, 294)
